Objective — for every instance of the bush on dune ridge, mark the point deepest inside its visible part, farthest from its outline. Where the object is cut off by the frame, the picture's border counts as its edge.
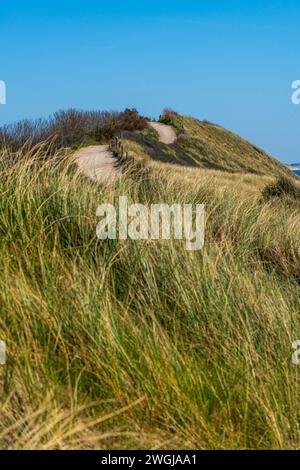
(143, 344)
(171, 118)
(69, 129)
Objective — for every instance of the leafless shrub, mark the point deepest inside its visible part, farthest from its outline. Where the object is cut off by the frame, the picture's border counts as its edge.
(70, 128)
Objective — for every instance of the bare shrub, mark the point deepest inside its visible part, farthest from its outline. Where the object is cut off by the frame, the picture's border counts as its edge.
(70, 128)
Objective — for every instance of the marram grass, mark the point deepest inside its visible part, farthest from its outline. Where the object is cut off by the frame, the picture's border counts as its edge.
(142, 344)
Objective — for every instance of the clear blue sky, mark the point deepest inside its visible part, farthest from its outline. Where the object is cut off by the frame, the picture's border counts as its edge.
(231, 62)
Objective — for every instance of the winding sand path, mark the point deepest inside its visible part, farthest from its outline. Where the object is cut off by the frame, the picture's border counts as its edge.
(166, 134)
(97, 162)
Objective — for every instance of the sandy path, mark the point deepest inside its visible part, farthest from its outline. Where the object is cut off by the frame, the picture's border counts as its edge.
(167, 135)
(97, 163)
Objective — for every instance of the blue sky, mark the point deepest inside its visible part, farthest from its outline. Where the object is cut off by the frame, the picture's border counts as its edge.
(231, 62)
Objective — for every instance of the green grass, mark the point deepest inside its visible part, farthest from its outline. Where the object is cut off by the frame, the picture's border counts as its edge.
(141, 344)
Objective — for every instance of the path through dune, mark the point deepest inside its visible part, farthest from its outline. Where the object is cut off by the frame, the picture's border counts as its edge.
(97, 162)
(166, 134)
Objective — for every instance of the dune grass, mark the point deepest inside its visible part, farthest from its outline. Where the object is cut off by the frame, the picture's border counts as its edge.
(142, 344)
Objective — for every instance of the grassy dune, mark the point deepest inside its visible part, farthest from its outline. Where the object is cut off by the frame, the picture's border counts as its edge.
(142, 344)
(201, 144)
